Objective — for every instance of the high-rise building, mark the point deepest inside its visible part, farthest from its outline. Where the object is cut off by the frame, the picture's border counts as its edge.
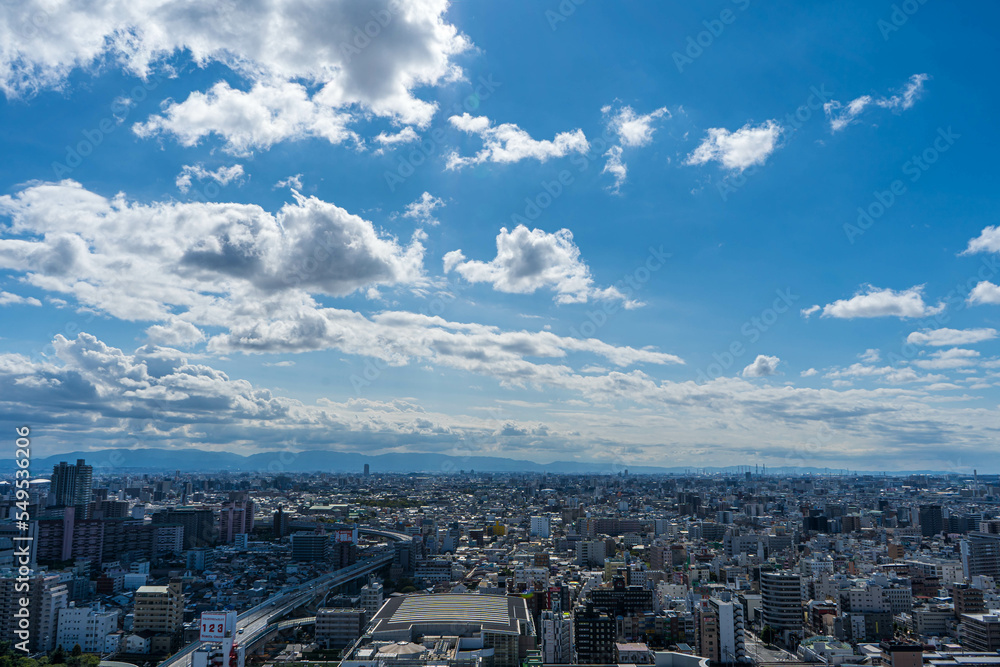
(367, 470)
(72, 486)
(160, 609)
(931, 520)
(555, 637)
(339, 627)
(594, 634)
(731, 634)
(590, 553)
(280, 525)
(198, 522)
(981, 632)
(981, 555)
(781, 601)
(46, 596)
(540, 527)
(372, 597)
(310, 546)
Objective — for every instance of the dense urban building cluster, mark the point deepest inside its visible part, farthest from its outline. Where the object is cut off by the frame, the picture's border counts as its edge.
(504, 570)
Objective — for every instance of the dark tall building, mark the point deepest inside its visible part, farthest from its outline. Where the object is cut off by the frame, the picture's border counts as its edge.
(931, 520)
(280, 526)
(367, 469)
(73, 485)
(622, 600)
(199, 524)
(594, 634)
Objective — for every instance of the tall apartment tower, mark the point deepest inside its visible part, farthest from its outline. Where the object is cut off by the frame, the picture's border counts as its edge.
(73, 486)
(781, 601)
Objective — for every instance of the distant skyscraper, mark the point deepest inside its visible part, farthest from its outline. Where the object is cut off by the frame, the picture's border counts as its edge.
(73, 486)
(367, 470)
(931, 520)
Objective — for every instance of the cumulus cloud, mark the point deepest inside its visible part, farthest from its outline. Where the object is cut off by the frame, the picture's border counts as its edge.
(987, 241)
(253, 275)
(530, 260)
(508, 143)
(422, 210)
(809, 372)
(632, 129)
(841, 115)
(748, 146)
(10, 299)
(984, 293)
(222, 175)
(874, 302)
(948, 337)
(806, 312)
(762, 366)
(138, 261)
(367, 56)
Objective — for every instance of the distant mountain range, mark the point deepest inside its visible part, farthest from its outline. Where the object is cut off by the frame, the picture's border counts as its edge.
(193, 460)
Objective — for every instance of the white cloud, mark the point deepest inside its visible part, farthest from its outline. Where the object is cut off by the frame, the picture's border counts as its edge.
(252, 275)
(222, 175)
(841, 115)
(176, 333)
(405, 136)
(249, 120)
(746, 147)
(634, 130)
(294, 181)
(984, 292)
(806, 312)
(138, 261)
(422, 210)
(279, 364)
(987, 241)
(615, 167)
(9, 299)
(365, 57)
(809, 372)
(946, 359)
(529, 260)
(762, 366)
(885, 374)
(947, 337)
(874, 302)
(870, 356)
(508, 143)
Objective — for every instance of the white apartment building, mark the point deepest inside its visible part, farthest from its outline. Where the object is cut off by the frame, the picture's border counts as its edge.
(87, 626)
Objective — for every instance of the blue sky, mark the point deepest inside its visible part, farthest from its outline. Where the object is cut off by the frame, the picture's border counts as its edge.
(260, 228)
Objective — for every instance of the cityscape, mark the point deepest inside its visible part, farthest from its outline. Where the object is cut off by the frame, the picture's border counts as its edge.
(508, 570)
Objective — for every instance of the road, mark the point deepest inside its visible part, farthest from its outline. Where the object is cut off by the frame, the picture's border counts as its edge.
(255, 622)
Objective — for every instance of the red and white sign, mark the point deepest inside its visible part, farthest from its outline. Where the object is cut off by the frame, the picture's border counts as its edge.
(217, 625)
